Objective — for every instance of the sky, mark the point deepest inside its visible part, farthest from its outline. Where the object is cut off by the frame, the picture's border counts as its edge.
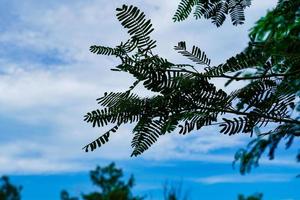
(49, 80)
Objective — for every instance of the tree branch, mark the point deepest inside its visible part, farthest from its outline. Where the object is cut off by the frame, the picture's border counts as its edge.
(236, 78)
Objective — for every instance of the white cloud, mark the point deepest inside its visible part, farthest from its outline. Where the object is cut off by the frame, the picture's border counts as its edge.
(251, 178)
(38, 166)
(196, 145)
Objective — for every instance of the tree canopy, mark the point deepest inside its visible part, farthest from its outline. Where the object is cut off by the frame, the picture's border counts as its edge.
(9, 191)
(276, 35)
(186, 98)
(111, 186)
(258, 196)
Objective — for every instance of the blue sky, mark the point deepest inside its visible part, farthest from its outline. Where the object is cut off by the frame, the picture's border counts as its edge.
(49, 80)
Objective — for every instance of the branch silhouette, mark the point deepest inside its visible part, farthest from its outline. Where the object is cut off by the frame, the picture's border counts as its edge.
(187, 99)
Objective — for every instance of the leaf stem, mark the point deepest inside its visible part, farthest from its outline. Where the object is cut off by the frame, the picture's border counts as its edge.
(236, 78)
(275, 119)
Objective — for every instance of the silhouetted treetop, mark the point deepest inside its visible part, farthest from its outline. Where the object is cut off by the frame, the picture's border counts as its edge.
(9, 191)
(111, 186)
(258, 196)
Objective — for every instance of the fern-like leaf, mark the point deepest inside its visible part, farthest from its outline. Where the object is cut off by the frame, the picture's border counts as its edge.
(98, 117)
(220, 14)
(215, 10)
(146, 133)
(184, 9)
(255, 92)
(249, 157)
(236, 10)
(240, 61)
(237, 125)
(106, 50)
(121, 108)
(197, 56)
(197, 122)
(154, 74)
(138, 27)
(103, 139)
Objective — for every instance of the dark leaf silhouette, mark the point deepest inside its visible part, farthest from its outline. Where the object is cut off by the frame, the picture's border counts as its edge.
(214, 10)
(186, 99)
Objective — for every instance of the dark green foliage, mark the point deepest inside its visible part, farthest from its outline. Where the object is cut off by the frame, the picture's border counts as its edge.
(238, 62)
(106, 50)
(275, 35)
(174, 192)
(64, 195)
(196, 55)
(101, 140)
(195, 121)
(108, 179)
(186, 99)
(138, 27)
(216, 10)
(9, 191)
(250, 157)
(154, 114)
(111, 187)
(236, 125)
(147, 132)
(258, 196)
(254, 92)
(184, 9)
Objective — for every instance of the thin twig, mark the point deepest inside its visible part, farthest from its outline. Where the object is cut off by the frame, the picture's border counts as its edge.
(235, 78)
